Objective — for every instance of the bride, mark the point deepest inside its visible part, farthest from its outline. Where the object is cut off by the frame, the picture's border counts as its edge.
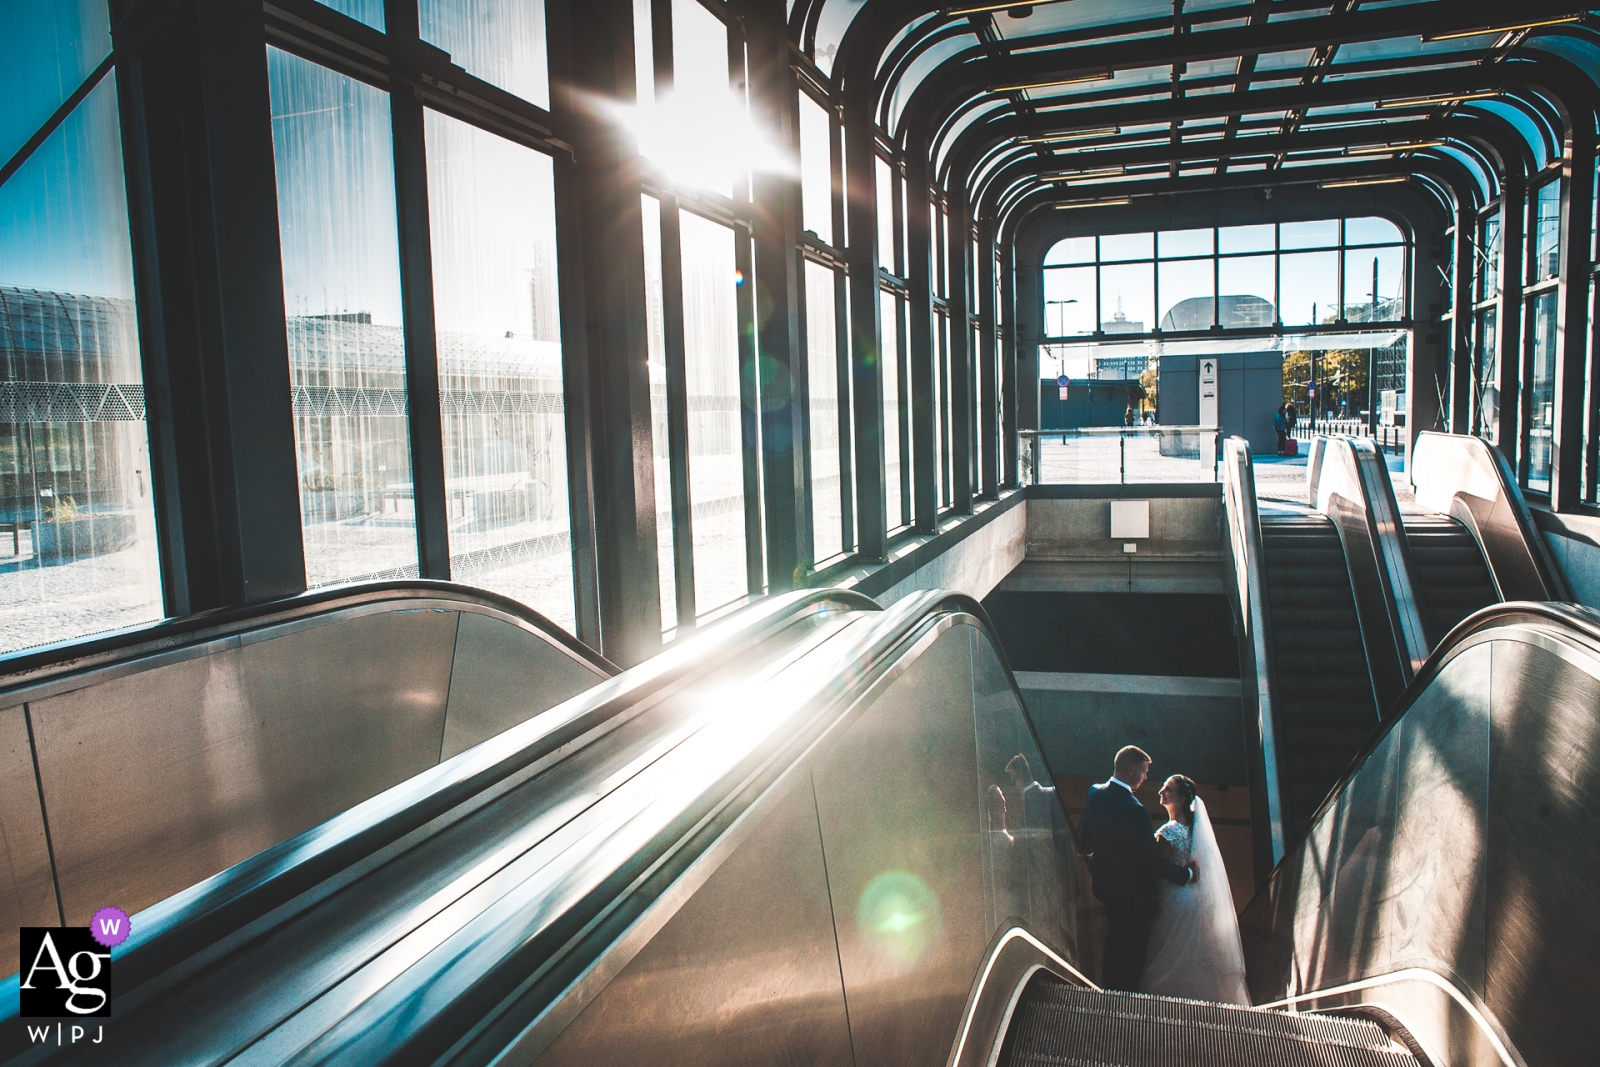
(1194, 944)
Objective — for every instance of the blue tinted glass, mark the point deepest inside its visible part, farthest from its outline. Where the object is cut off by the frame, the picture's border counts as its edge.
(368, 11)
(1323, 233)
(1371, 231)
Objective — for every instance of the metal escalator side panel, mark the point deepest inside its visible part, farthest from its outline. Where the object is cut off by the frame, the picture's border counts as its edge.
(1470, 480)
(916, 859)
(1246, 566)
(1353, 489)
(1441, 881)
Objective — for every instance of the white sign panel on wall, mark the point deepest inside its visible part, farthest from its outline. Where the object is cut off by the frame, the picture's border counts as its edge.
(1208, 391)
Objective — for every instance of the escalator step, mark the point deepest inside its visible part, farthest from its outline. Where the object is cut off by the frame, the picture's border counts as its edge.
(1453, 580)
(1061, 1024)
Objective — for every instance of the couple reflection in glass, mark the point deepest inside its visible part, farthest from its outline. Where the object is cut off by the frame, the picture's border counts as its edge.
(1173, 930)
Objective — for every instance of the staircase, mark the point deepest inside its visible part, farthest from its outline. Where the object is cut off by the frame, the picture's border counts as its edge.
(1061, 1025)
(1326, 709)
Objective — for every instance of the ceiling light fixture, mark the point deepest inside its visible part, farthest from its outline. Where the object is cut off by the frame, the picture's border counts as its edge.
(1066, 176)
(1452, 35)
(1351, 183)
(1437, 98)
(984, 9)
(1073, 135)
(1379, 149)
(1109, 201)
(1066, 79)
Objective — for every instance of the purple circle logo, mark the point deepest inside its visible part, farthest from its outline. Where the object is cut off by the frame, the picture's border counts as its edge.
(110, 927)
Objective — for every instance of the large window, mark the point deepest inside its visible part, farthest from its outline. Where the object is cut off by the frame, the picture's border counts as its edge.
(500, 41)
(341, 286)
(491, 210)
(1299, 274)
(711, 377)
(77, 521)
(827, 410)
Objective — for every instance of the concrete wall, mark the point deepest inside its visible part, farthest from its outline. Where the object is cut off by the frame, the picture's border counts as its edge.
(1069, 545)
(1574, 541)
(1192, 726)
(974, 564)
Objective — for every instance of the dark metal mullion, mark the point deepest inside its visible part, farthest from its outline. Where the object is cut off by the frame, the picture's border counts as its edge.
(749, 414)
(923, 342)
(841, 363)
(677, 412)
(425, 420)
(1568, 444)
(1513, 194)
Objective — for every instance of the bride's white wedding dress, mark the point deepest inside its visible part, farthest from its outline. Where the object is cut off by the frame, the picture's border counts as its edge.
(1194, 944)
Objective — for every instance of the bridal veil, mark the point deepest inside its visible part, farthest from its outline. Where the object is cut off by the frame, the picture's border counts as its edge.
(1195, 950)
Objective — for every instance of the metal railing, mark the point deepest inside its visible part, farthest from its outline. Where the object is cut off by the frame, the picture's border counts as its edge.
(1120, 454)
(1388, 438)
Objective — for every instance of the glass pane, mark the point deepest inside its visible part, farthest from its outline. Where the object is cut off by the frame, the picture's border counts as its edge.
(1320, 234)
(1487, 376)
(656, 333)
(1245, 238)
(822, 376)
(644, 58)
(1188, 292)
(1374, 284)
(699, 53)
(1069, 301)
(1488, 254)
(816, 169)
(500, 41)
(77, 522)
(711, 374)
(1541, 398)
(46, 49)
(1371, 231)
(885, 185)
(1127, 298)
(1186, 243)
(491, 206)
(1127, 246)
(1310, 284)
(1546, 224)
(890, 314)
(368, 11)
(341, 289)
(1071, 250)
(1247, 283)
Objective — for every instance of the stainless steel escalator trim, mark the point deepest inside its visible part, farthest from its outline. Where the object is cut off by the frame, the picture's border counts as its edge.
(1002, 946)
(1520, 564)
(288, 874)
(1351, 486)
(1244, 530)
(884, 649)
(1480, 1015)
(52, 667)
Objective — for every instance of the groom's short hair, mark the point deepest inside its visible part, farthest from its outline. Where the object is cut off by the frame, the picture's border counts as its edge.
(1130, 758)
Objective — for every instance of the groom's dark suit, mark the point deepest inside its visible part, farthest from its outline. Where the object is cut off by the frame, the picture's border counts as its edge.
(1119, 837)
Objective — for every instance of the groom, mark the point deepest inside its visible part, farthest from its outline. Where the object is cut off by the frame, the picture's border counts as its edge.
(1119, 839)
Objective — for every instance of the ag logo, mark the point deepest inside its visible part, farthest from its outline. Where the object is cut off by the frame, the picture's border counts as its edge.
(65, 971)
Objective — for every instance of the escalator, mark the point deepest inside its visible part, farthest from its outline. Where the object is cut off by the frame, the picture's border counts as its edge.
(1325, 702)
(1453, 580)
(820, 832)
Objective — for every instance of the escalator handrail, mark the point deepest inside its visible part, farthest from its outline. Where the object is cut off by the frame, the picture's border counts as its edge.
(44, 663)
(1519, 561)
(1244, 529)
(1574, 622)
(203, 914)
(1352, 487)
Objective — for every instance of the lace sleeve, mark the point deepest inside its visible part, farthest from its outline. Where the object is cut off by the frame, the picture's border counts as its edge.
(1176, 835)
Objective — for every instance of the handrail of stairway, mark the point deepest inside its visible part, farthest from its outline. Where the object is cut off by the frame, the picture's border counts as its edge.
(1259, 672)
(35, 665)
(1470, 480)
(1351, 486)
(244, 893)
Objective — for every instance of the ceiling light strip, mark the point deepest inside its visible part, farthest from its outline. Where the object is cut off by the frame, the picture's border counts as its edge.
(1108, 201)
(1049, 83)
(1438, 98)
(1380, 149)
(1480, 31)
(1073, 135)
(1351, 183)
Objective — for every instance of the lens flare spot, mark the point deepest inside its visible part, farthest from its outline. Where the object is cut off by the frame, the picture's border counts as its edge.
(899, 916)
